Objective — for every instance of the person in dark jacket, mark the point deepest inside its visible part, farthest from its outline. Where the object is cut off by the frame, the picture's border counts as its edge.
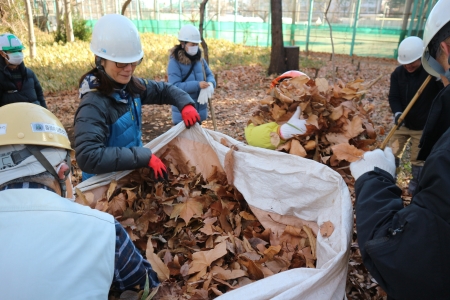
(108, 120)
(406, 248)
(17, 82)
(405, 82)
(188, 71)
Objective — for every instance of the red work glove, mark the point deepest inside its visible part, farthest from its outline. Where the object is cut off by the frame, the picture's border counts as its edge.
(190, 115)
(158, 167)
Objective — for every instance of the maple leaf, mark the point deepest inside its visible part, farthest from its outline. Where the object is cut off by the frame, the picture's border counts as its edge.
(337, 138)
(336, 113)
(277, 112)
(254, 271)
(312, 120)
(227, 274)
(158, 265)
(322, 85)
(203, 259)
(117, 205)
(354, 127)
(347, 152)
(326, 229)
(297, 149)
(187, 210)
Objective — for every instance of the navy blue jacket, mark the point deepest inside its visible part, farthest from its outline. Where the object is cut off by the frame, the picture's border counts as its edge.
(108, 128)
(30, 92)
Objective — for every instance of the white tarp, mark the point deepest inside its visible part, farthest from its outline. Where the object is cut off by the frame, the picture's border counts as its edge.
(289, 188)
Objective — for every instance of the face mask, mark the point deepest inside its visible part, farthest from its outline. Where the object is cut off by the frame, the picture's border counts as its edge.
(192, 50)
(15, 58)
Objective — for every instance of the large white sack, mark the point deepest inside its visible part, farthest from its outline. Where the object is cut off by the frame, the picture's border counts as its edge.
(284, 186)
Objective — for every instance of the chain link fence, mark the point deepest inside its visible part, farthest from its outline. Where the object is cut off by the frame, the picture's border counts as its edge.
(359, 27)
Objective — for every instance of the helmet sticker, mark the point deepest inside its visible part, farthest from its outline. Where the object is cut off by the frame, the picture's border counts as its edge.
(3, 128)
(43, 127)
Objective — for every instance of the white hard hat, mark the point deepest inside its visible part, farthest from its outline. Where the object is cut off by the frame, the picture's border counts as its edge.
(438, 18)
(10, 43)
(116, 38)
(189, 33)
(410, 50)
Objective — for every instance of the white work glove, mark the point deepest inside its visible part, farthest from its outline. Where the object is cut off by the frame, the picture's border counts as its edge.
(210, 90)
(294, 126)
(203, 97)
(384, 160)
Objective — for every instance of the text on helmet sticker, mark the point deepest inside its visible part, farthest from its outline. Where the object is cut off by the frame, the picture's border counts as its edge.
(3, 128)
(42, 127)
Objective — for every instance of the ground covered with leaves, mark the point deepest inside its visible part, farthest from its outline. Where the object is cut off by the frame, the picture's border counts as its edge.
(240, 91)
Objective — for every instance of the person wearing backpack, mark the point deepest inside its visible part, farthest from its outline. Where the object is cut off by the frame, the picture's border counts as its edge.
(188, 71)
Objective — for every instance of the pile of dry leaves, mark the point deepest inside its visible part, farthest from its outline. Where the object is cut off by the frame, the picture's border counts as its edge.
(339, 129)
(199, 234)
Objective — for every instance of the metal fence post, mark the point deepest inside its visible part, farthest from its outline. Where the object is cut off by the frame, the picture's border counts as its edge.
(355, 22)
(413, 16)
(235, 19)
(180, 11)
(308, 30)
(419, 18)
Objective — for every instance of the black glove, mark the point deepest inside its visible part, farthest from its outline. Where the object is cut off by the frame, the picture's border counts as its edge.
(396, 117)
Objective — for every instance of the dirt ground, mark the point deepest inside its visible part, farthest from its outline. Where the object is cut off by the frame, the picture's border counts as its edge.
(239, 91)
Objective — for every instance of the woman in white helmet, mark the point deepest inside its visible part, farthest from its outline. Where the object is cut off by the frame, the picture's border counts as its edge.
(189, 71)
(405, 82)
(108, 121)
(17, 82)
(54, 248)
(405, 249)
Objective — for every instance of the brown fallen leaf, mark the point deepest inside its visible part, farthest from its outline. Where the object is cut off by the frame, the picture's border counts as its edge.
(203, 259)
(326, 229)
(347, 152)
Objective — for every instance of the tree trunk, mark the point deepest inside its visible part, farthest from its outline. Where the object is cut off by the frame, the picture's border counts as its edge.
(68, 21)
(202, 18)
(277, 56)
(31, 37)
(58, 16)
(124, 7)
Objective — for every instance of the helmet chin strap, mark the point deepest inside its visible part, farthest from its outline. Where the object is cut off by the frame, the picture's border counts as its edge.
(98, 65)
(48, 166)
(437, 66)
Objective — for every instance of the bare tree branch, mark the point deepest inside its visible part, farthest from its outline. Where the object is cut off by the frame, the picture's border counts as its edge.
(124, 7)
(332, 43)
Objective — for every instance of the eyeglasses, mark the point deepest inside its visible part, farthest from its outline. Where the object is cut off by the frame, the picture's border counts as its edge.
(133, 64)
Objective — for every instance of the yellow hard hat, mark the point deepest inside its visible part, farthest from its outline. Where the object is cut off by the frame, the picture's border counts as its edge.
(31, 124)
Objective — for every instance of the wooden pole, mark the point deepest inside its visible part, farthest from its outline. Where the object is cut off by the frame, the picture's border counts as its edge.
(402, 117)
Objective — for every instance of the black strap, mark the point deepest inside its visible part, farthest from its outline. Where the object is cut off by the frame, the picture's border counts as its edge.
(189, 73)
(48, 166)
